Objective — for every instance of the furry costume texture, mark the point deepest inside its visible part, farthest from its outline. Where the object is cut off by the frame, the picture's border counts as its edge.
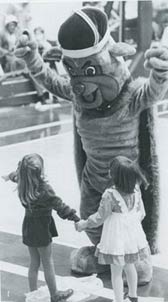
(113, 116)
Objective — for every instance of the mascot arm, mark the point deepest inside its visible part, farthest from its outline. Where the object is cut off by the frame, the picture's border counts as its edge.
(154, 88)
(152, 91)
(57, 85)
(104, 210)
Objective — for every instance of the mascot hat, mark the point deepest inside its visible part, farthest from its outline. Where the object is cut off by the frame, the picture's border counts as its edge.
(86, 32)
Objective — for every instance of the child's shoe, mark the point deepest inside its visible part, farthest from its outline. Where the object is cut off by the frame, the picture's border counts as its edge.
(62, 295)
(132, 299)
(127, 298)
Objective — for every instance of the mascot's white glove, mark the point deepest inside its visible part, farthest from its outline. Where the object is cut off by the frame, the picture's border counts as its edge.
(157, 58)
(27, 50)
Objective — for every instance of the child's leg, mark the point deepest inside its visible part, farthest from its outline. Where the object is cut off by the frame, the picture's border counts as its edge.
(117, 282)
(33, 268)
(49, 273)
(132, 279)
(48, 266)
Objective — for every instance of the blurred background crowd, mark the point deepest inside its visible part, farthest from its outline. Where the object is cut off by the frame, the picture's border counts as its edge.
(44, 20)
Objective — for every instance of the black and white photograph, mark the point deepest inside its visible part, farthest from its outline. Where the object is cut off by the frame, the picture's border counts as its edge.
(83, 151)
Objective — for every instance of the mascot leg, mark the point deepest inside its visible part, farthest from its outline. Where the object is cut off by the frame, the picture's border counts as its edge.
(83, 260)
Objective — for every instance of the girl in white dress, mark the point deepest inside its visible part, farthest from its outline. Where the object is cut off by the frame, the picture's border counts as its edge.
(121, 211)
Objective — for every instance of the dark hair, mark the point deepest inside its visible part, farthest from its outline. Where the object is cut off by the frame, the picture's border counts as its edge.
(125, 174)
(30, 177)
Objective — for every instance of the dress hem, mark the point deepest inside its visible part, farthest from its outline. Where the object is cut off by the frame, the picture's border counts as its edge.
(121, 259)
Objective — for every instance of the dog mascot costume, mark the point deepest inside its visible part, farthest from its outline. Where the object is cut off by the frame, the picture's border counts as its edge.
(113, 116)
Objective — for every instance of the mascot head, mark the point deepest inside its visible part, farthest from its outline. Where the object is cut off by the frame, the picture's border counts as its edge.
(92, 59)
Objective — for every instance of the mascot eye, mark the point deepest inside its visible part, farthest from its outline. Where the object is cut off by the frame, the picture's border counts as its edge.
(90, 71)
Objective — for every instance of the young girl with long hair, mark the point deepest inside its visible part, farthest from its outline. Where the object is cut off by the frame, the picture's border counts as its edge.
(38, 199)
(121, 211)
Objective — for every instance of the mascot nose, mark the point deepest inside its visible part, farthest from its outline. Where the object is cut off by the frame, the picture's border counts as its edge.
(78, 88)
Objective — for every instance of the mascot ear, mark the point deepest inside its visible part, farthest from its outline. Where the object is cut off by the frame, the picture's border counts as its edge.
(121, 49)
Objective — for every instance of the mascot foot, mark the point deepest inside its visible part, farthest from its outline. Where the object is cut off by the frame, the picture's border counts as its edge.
(84, 262)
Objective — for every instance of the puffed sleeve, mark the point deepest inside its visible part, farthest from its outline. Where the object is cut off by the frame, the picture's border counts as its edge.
(63, 210)
(104, 210)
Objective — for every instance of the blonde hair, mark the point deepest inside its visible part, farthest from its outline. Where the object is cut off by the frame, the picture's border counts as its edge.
(30, 178)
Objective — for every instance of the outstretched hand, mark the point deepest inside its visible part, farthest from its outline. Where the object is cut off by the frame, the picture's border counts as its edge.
(157, 58)
(5, 177)
(81, 225)
(27, 50)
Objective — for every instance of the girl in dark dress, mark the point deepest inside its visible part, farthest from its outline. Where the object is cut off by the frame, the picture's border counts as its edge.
(38, 199)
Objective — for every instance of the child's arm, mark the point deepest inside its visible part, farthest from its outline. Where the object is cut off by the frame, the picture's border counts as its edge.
(98, 218)
(13, 176)
(63, 210)
(45, 76)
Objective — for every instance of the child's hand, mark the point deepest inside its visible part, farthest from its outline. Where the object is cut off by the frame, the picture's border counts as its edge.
(5, 177)
(81, 225)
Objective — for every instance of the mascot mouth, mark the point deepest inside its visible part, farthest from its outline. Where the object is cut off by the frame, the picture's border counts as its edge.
(92, 92)
(90, 101)
(91, 97)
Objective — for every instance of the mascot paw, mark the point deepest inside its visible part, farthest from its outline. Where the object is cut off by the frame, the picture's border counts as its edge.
(157, 58)
(26, 49)
(25, 46)
(84, 262)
